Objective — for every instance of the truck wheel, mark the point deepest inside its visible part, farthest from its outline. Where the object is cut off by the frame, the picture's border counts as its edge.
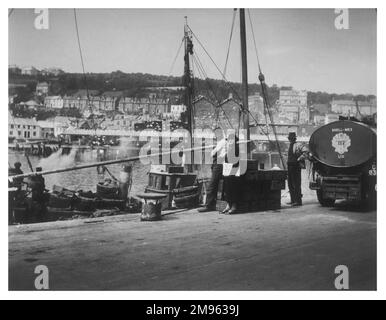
(324, 202)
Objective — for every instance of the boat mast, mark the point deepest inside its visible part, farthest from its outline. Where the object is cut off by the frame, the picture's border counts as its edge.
(244, 70)
(188, 84)
(188, 77)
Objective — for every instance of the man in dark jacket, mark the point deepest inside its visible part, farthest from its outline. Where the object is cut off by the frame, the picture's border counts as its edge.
(16, 171)
(39, 197)
(297, 154)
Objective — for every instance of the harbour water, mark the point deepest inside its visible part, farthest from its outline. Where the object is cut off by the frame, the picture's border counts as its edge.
(85, 179)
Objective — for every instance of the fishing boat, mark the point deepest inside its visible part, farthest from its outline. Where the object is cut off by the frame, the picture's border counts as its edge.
(178, 183)
(181, 186)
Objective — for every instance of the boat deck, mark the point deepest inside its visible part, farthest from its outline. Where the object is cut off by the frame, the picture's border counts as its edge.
(290, 249)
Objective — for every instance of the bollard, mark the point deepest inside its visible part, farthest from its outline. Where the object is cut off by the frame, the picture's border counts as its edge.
(151, 206)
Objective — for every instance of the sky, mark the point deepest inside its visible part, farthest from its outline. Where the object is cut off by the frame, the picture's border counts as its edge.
(297, 47)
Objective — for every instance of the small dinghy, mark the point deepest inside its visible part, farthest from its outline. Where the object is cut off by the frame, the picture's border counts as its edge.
(108, 189)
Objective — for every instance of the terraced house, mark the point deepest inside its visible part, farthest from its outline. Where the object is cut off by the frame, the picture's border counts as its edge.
(23, 128)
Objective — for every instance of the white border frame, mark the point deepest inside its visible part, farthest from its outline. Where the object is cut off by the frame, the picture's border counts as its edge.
(196, 295)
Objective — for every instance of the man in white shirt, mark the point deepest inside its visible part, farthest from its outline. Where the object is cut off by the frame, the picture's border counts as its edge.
(218, 155)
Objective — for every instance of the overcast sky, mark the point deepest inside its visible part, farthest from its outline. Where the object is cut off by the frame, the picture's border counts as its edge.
(301, 48)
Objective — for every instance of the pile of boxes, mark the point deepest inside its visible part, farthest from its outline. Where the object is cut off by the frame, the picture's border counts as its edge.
(261, 189)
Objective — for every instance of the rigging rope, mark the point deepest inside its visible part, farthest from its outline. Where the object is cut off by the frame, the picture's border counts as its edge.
(202, 70)
(216, 66)
(267, 106)
(230, 40)
(254, 40)
(175, 58)
(81, 54)
(222, 74)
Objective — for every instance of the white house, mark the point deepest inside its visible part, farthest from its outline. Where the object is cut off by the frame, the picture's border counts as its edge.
(23, 128)
(177, 109)
(47, 129)
(344, 107)
(53, 102)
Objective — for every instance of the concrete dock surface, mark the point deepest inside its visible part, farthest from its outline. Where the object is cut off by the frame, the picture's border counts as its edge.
(289, 249)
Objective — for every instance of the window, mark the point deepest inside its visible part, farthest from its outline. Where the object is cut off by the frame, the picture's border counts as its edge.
(34, 127)
(11, 126)
(19, 133)
(34, 133)
(11, 133)
(29, 127)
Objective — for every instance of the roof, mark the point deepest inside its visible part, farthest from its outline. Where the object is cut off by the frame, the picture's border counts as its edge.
(23, 121)
(343, 102)
(59, 119)
(293, 93)
(53, 97)
(46, 124)
(29, 68)
(83, 92)
(365, 104)
(31, 103)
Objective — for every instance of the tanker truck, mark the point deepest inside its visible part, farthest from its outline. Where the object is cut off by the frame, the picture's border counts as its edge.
(343, 157)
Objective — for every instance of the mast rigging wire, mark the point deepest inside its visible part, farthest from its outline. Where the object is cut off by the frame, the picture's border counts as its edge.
(218, 69)
(200, 67)
(216, 66)
(230, 40)
(267, 106)
(254, 40)
(81, 54)
(176, 57)
(224, 78)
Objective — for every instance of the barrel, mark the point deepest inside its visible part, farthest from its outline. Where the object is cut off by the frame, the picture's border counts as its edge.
(343, 144)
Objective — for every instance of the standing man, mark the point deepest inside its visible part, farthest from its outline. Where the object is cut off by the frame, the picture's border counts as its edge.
(14, 193)
(18, 181)
(218, 155)
(39, 197)
(297, 153)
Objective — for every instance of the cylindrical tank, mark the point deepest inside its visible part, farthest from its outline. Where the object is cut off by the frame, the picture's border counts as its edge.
(344, 163)
(343, 144)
